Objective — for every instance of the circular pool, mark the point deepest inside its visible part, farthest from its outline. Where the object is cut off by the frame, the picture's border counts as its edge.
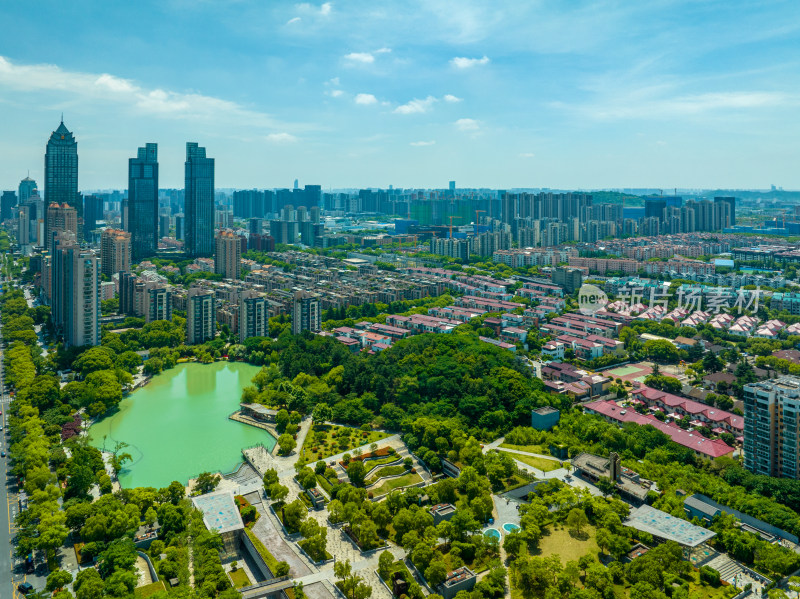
(509, 527)
(492, 532)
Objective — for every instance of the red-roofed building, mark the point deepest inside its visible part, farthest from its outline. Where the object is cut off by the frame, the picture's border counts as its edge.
(703, 447)
(710, 415)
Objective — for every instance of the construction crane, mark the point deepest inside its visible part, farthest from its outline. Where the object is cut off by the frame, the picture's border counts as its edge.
(477, 219)
(451, 225)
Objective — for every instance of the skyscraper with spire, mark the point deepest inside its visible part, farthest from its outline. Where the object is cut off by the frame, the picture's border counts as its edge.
(199, 201)
(26, 188)
(142, 214)
(61, 171)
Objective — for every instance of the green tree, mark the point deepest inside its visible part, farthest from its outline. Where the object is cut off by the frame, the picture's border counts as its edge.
(356, 472)
(58, 579)
(206, 482)
(286, 444)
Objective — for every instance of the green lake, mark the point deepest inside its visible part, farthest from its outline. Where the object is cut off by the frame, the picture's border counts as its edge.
(177, 425)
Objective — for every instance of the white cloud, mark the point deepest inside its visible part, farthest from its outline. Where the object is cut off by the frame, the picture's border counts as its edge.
(416, 106)
(366, 99)
(451, 98)
(294, 20)
(334, 81)
(365, 57)
(527, 155)
(362, 57)
(461, 62)
(280, 137)
(105, 88)
(654, 103)
(420, 144)
(467, 125)
(335, 93)
(323, 10)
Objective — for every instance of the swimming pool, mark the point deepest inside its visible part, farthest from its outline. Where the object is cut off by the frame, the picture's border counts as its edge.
(492, 532)
(509, 527)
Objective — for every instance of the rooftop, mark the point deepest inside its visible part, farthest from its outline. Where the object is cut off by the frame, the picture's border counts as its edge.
(661, 524)
(219, 511)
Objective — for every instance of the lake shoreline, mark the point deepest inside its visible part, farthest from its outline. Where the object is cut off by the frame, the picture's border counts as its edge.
(177, 424)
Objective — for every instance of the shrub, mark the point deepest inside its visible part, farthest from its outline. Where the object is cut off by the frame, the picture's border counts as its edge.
(709, 576)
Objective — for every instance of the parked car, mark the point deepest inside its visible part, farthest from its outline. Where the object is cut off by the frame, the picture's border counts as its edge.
(25, 588)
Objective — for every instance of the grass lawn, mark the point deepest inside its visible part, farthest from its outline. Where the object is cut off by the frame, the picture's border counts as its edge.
(397, 566)
(369, 464)
(394, 483)
(541, 463)
(149, 589)
(239, 578)
(512, 482)
(324, 441)
(540, 449)
(560, 542)
(272, 563)
(386, 471)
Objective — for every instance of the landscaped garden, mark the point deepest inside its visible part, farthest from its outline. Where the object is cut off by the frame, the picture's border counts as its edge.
(325, 440)
(239, 578)
(395, 483)
(542, 464)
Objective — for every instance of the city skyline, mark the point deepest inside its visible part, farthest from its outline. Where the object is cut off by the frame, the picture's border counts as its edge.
(500, 95)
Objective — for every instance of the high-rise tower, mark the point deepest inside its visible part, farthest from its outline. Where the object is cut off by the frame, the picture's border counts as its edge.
(199, 201)
(26, 188)
(61, 171)
(142, 215)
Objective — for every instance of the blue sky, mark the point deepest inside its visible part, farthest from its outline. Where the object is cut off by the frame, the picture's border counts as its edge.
(662, 93)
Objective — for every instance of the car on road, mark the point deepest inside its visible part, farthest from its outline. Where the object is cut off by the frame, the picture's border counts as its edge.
(25, 588)
(2, 454)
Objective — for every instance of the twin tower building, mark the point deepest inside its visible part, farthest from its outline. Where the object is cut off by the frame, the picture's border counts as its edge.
(70, 271)
(140, 210)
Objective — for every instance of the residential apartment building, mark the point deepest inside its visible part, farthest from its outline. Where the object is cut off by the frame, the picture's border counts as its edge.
(228, 257)
(306, 313)
(115, 251)
(201, 319)
(253, 315)
(771, 420)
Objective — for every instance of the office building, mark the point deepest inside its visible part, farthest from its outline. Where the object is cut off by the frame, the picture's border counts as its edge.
(92, 215)
(306, 313)
(313, 196)
(163, 225)
(61, 171)
(115, 251)
(568, 278)
(26, 189)
(315, 214)
(199, 202)
(180, 224)
(8, 202)
(201, 317)
(228, 257)
(654, 208)
(141, 215)
(771, 422)
(60, 218)
(253, 315)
